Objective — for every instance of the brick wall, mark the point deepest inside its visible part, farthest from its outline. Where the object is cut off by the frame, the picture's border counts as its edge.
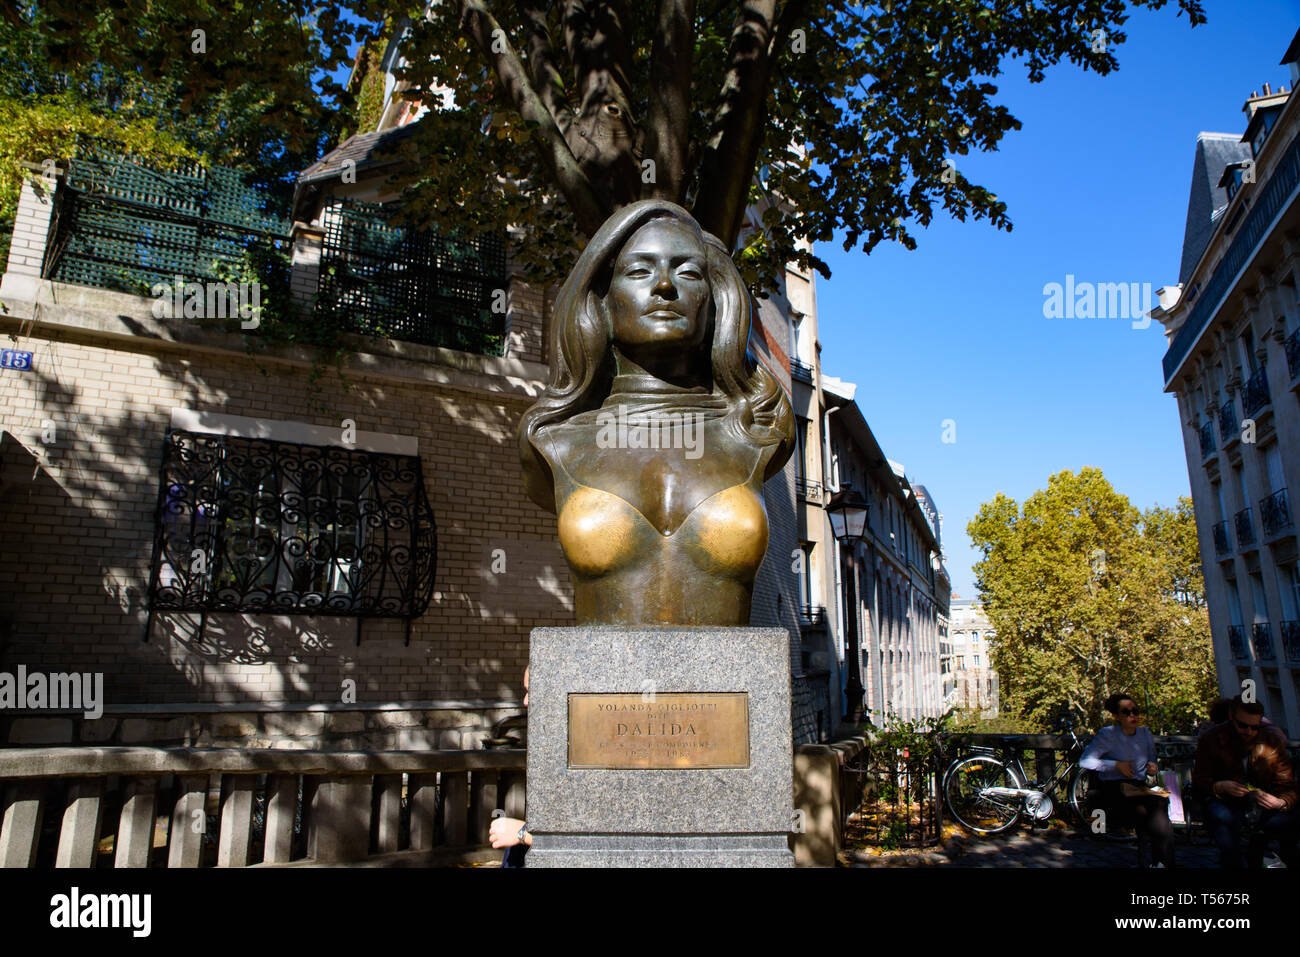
(77, 497)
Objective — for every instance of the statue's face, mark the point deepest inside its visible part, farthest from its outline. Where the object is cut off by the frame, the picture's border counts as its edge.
(659, 293)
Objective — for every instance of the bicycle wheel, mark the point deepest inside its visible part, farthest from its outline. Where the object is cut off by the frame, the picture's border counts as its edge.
(969, 802)
(1080, 797)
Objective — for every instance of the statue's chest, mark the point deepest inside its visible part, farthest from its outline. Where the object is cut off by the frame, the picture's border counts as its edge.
(664, 484)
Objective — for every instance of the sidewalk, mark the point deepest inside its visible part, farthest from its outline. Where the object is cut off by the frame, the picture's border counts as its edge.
(1052, 847)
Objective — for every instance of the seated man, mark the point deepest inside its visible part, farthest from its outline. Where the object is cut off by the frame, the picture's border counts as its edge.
(1244, 773)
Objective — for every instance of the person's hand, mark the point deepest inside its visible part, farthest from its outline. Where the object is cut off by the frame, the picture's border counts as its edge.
(1125, 768)
(1266, 800)
(504, 831)
(1152, 768)
(1231, 789)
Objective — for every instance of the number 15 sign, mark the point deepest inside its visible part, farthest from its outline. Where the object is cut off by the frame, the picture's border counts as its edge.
(13, 359)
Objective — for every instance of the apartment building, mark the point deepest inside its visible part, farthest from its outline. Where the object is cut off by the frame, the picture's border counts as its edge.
(1233, 364)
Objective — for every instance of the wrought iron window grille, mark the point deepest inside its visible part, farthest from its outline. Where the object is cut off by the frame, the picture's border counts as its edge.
(1254, 394)
(256, 526)
(1274, 514)
(1245, 529)
(1263, 635)
(1221, 546)
(1207, 439)
(1228, 420)
(1237, 641)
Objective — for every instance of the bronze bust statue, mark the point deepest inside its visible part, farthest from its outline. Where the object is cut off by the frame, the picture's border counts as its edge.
(654, 437)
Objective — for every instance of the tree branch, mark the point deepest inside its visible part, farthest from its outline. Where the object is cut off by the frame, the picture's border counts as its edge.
(602, 136)
(482, 27)
(728, 158)
(547, 79)
(667, 128)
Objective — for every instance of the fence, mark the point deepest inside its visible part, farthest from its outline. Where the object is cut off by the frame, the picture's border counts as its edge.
(421, 286)
(126, 226)
(200, 807)
(130, 227)
(898, 803)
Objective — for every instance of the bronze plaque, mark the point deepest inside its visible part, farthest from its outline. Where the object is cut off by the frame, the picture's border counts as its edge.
(660, 731)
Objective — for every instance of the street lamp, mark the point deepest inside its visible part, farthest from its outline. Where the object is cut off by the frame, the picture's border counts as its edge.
(848, 514)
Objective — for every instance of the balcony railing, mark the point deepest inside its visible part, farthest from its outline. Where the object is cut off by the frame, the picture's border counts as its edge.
(1237, 642)
(1263, 635)
(1291, 640)
(1221, 546)
(811, 615)
(1245, 529)
(1293, 355)
(1268, 201)
(801, 371)
(1207, 440)
(1274, 514)
(808, 490)
(1228, 424)
(1254, 394)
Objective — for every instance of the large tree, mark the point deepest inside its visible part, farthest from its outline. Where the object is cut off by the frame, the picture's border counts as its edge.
(854, 115)
(1089, 596)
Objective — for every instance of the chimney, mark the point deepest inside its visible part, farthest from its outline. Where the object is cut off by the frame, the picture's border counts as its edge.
(1268, 90)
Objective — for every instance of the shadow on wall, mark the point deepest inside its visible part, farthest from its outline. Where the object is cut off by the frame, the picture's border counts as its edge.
(79, 468)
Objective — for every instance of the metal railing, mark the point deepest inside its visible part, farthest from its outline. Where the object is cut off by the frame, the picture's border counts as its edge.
(1291, 640)
(1254, 394)
(812, 615)
(1221, 546)
(203, 807)
(801, 371)
(1228, 421)
(1268, 200)
(1207, 439)
(1237, 642)
(807, 489)
(1262, 634)
(1245, 529)
(1274, 514)
(898, 803)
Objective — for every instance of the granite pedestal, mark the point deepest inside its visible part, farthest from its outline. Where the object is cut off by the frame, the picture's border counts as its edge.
(710, 796)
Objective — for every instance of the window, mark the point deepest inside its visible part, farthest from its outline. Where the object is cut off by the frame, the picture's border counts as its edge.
(977, 661)
(805, 575)
(801, 459)
(257, 526)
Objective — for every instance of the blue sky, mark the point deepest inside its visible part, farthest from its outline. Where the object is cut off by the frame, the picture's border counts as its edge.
(1096, 186)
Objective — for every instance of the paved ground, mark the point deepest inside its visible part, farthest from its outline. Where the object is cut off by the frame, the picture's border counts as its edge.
(1025, 848)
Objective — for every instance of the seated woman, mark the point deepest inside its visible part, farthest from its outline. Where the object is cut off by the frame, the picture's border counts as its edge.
(1124, 753)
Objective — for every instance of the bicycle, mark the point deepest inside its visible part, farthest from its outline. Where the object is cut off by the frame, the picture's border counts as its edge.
(988, 794)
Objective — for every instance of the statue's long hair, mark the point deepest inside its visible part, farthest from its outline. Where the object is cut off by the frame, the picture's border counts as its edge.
(582, 361)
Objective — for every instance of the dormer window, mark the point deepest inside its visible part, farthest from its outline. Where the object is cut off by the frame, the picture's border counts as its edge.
(1268, 119)
(1234, 175)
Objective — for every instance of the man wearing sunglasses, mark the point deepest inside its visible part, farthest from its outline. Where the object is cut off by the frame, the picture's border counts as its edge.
(1244, 773)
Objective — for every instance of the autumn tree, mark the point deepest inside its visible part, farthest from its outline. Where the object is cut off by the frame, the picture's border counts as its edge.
(851, 118)
(1089, 596)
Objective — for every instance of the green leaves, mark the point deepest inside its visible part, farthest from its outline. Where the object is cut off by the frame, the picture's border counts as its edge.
(1089, 596)
(855, 122)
